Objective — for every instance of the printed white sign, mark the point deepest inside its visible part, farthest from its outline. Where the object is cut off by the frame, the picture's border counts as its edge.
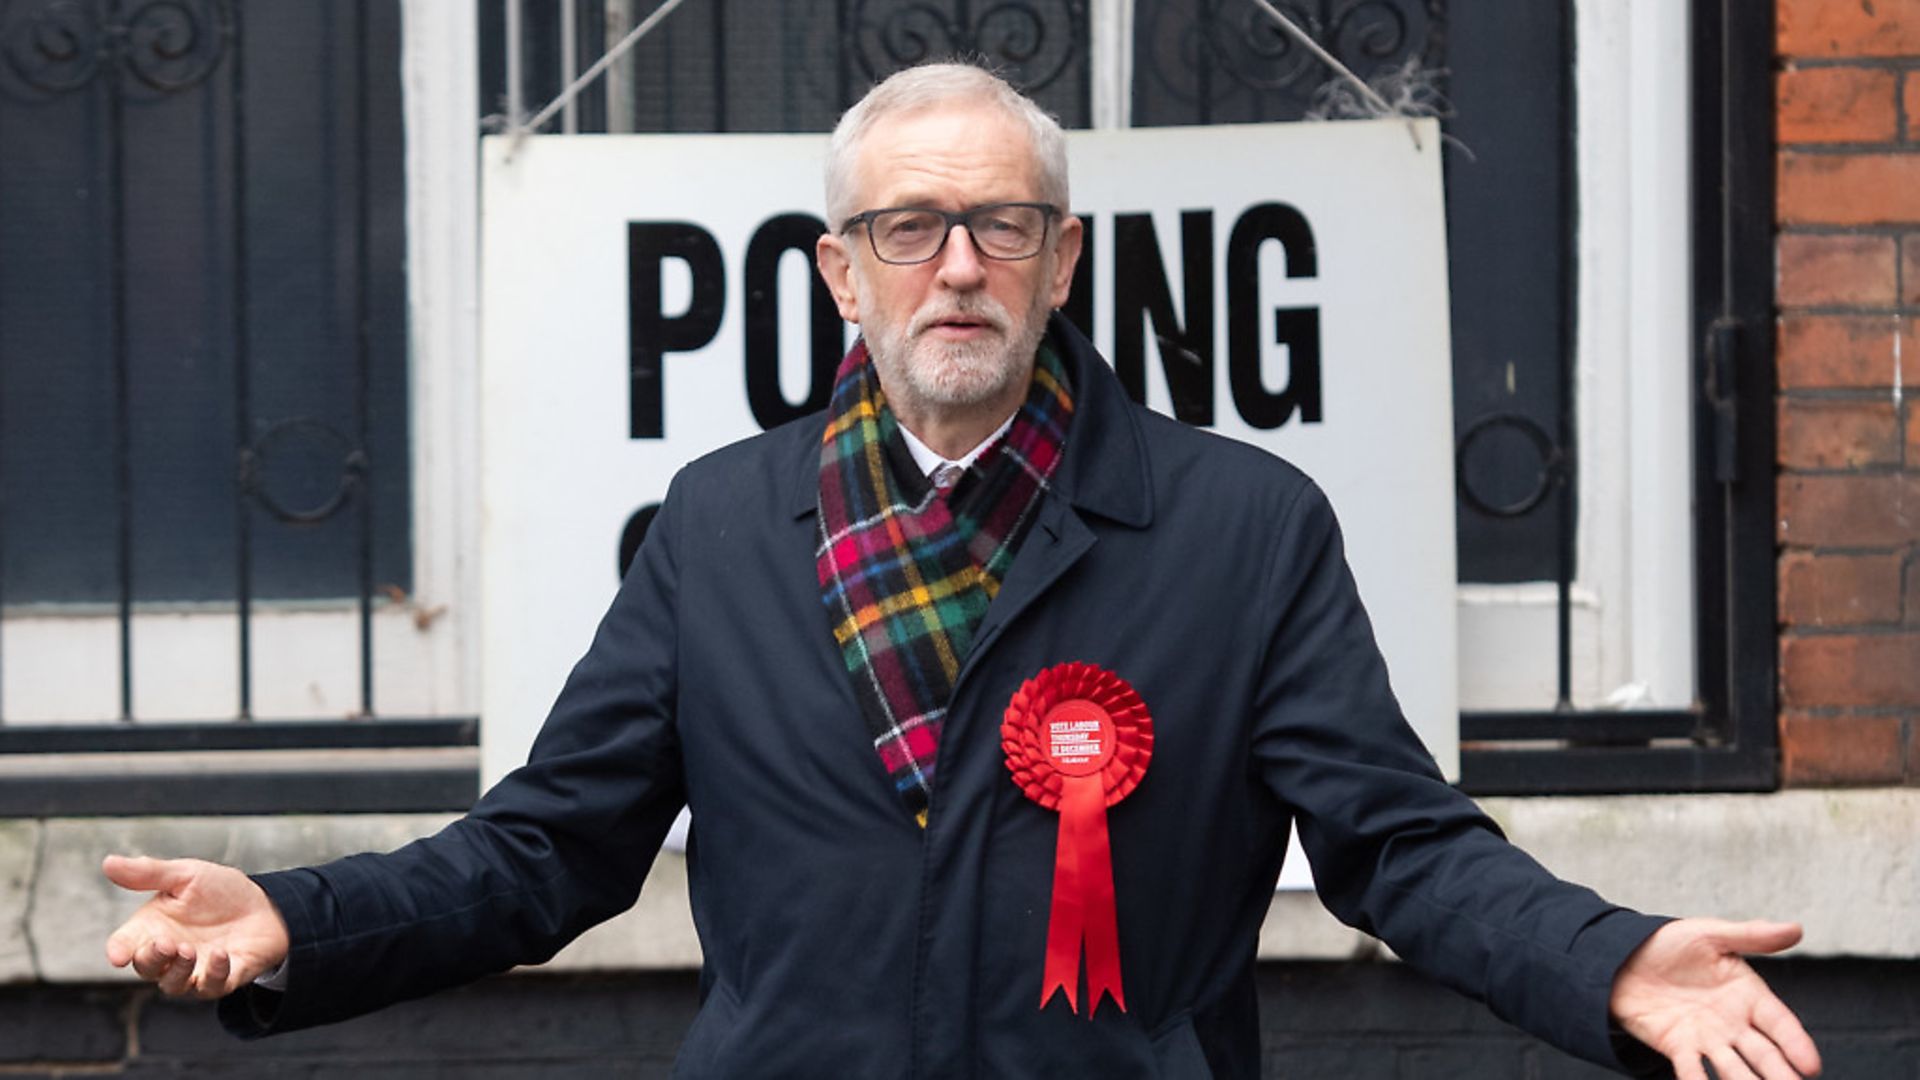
(649, 298)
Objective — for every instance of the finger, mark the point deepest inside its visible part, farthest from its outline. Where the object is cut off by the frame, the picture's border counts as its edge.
(1688, 1067)
(142, 874)
(152, 958)
(120, 946)
(1763, 1057)
(1778, 1023)
(1728, 1066)
(174, 980)
(210, 975)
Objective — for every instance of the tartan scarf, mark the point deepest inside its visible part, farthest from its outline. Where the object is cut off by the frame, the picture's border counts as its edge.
(906, 575)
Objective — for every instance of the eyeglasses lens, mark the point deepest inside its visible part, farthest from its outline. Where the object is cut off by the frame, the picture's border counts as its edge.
(1000, 232)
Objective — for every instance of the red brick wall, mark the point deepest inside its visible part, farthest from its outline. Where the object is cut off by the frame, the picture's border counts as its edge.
(1848, 100)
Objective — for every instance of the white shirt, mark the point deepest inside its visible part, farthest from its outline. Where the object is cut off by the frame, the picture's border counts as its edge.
(931, 462)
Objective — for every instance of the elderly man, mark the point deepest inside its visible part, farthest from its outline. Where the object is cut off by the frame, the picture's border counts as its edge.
(984, 675)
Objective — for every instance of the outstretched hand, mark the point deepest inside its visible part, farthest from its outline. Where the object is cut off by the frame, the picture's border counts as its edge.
(207, 931)
(1687, 993)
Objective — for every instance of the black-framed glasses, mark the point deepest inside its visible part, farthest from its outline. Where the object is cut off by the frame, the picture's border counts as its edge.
(904, 235)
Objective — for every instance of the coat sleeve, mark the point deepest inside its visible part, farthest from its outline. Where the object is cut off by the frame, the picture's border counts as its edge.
(1398, 852)
(558, 845)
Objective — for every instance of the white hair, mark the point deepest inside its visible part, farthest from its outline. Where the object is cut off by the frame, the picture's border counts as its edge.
(928, 86)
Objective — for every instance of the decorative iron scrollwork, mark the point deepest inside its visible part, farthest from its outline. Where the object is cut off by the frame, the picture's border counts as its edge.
(160, 47)
(1031, 43)
(1190, 44)
(310, 443)
(1555, 465)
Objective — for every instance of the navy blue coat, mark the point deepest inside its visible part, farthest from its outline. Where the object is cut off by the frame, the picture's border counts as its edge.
(842, 940)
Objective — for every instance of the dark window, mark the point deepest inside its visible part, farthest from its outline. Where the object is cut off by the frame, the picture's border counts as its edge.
(202, 301)
(1505, 70)
(773, 65)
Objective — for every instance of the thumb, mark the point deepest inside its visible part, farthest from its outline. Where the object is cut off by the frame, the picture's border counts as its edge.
(1757, 936)
(142, 874)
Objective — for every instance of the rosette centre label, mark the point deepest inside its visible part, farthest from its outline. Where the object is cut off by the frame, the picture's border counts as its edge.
(1079, 737)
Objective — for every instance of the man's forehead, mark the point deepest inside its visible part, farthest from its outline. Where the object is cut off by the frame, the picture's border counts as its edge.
(966, 151)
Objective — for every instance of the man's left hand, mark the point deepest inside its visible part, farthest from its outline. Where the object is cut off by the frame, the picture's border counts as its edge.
(1687, 993)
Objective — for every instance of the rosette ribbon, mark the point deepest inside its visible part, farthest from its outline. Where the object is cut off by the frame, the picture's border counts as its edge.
(1078, 740)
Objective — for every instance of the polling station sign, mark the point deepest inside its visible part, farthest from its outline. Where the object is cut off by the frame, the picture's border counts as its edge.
(646, 299)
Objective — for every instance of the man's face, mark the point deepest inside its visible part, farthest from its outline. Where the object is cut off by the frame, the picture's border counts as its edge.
(957, 332)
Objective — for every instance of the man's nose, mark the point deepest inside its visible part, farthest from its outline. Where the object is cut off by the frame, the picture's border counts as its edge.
(961, 264)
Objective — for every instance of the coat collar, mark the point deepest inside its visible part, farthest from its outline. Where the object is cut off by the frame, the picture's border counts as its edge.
(1105, 468)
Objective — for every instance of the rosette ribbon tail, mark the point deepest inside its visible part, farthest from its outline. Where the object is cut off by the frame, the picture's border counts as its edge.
(1083, 903)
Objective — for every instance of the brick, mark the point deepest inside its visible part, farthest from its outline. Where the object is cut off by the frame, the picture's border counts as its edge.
(1838, 434)
(1869, 510)
(1910, 258)
(1831, 28)
(1911, 106)
(1849, 189)
(1913, 434)
(1838, 104)
(1912, 602)
(1850, 670)
(1847, 351)
(1854, 271)
(1839, 590)
(1848, 748)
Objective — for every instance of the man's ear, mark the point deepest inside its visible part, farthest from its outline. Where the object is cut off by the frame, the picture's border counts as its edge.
(1066, 255)
(836, 269)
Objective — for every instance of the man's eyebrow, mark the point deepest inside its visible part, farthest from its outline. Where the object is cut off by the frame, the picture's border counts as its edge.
(909, 202)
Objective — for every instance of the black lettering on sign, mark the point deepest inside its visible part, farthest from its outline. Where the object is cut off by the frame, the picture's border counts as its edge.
(651, 333)
(1079, 306)
(1296, 328)
(774, 238)
(1140, 291)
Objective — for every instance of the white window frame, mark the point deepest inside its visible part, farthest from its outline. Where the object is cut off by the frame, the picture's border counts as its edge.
(1634, 638)
(62, 661)
(1633, 635)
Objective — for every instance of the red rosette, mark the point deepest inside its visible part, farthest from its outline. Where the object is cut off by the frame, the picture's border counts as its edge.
(1078, 740)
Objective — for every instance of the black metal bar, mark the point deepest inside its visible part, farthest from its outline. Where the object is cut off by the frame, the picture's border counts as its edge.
(242, 378)
(3, 519)
(1746, 157)
(847, 39)
(719, 65)
(1589, 727)
(1203, 64)
(360, 791)
(1566, 439)
(122, 398)
(363, 347)
(1614, 770)
(228, 735)
(1083, 41)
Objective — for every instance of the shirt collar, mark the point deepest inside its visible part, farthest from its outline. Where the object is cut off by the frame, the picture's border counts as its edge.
(927, 460)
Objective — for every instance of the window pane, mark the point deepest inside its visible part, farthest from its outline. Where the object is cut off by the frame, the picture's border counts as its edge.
(1505, 69)
(201, 244)
(768, 65)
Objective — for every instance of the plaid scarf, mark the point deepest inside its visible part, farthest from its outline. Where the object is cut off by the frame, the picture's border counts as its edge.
(905, 574)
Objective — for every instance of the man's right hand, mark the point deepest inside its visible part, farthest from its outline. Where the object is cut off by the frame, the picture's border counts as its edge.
(207, 931)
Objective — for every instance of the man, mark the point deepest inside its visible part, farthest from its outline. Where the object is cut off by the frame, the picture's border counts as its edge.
(946, 741)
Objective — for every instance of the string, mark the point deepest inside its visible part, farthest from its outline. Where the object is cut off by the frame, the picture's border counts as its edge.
(1371, 95)
(586, 77)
